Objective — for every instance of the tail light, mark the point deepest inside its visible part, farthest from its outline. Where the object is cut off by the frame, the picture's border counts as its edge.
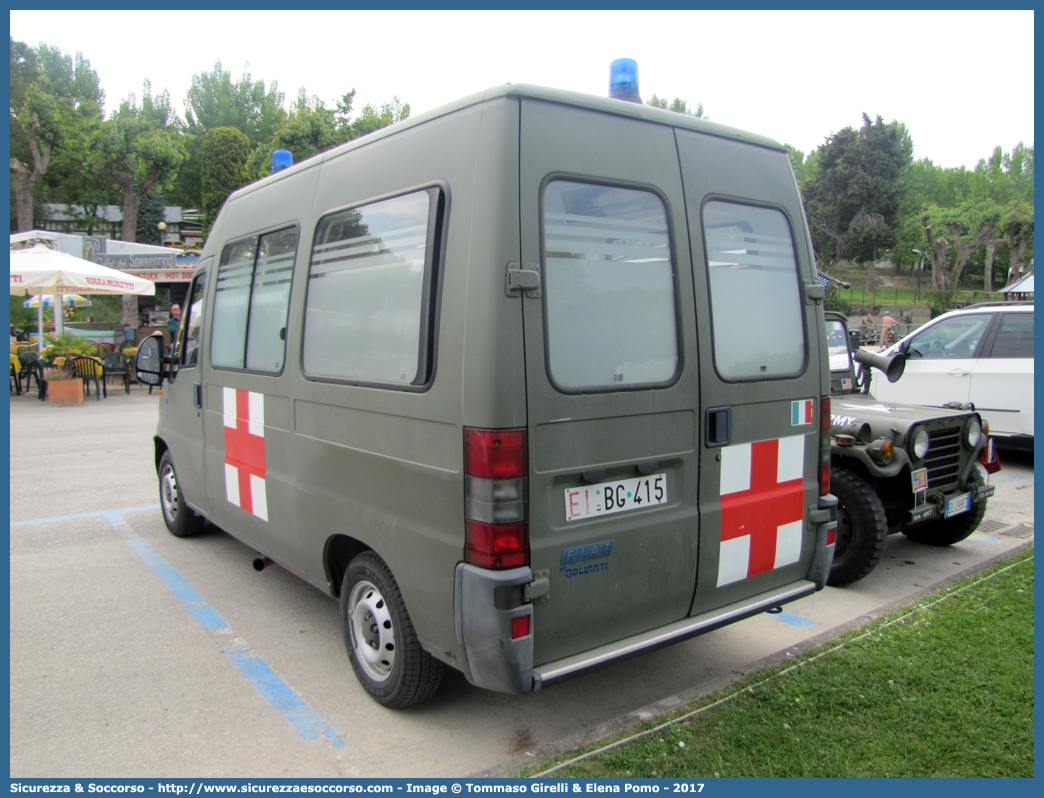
(496, 500)
(824, 445)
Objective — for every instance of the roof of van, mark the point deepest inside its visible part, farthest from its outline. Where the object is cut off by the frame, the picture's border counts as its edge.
(602, 104)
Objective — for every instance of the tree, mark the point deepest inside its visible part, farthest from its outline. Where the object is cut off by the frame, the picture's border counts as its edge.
(313, 128)
(138, 149)
(953, 234)
(51, 95)
(854, 194)
(214, 100)
(150, 214)
(223, 159)
(39, 119)
(679, 106)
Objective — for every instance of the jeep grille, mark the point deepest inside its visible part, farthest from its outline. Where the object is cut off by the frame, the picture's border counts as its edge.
(943, 460)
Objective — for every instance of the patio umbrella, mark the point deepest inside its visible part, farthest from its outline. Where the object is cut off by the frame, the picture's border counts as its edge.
(42, 271)
(68, 301)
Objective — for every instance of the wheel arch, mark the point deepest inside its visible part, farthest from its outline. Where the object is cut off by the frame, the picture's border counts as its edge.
(340, 550)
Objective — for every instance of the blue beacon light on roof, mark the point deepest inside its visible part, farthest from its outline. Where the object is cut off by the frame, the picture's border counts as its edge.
(623, 80)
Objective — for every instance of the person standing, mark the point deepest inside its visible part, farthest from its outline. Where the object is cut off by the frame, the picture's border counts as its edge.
(174, 321)
(887, 334)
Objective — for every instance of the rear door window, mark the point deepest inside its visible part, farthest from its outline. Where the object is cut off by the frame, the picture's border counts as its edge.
(1014, 336)
(755, 291)
(609, 288)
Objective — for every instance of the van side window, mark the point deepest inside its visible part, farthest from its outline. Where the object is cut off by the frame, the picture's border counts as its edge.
(369, 310)
(609, 275)
(755, 292)
(189, 356)
(251, 301)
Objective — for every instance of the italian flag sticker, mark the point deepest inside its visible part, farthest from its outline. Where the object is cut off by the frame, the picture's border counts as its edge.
(801, 412)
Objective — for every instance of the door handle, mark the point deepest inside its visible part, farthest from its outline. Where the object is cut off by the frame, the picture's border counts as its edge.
(958, 373)
(197, 395)
(718, 427)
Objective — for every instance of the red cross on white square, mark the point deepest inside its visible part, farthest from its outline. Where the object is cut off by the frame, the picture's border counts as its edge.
(762, 504)
(244, 413)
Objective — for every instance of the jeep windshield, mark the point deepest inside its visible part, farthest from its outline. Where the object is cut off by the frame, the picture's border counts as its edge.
(837, 345)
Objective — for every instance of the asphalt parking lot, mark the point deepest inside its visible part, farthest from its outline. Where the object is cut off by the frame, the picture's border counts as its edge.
(137, 654)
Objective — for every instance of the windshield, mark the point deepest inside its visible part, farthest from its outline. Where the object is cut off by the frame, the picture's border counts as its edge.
(837, 346)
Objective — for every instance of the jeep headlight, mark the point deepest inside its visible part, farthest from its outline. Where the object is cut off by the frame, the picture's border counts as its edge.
(919, 443)
(973, 432)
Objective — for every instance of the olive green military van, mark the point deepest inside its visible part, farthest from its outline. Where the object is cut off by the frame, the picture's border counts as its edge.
(532, 382)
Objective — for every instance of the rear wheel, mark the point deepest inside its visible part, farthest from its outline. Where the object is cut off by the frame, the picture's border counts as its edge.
(179, 518)
(947, 531)
(382, 644)
(862, 528)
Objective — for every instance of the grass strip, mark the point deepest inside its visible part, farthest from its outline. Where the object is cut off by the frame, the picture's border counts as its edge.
(943, 689)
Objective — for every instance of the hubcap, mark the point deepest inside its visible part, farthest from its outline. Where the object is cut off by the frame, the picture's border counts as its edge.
(373, 636)
(169, 495)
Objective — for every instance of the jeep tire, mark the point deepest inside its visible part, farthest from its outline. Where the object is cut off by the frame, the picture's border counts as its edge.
(379, 636)
(862, 528)
(947, 531)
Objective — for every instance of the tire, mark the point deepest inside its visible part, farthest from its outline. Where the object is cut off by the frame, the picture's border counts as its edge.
(862, 528)
(382, 645)
(947, 531)
(179, 518)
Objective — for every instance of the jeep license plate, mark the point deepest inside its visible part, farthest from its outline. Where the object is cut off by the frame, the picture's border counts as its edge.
(958, 505)
(615, 497)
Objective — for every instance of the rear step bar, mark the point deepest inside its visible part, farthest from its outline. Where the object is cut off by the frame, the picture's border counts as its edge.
(559, 670)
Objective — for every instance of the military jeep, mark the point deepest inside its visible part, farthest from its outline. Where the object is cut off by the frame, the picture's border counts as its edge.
(896, 468)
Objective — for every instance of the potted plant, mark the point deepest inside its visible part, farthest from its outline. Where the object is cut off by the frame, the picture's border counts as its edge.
(67, 345)
(63, 387)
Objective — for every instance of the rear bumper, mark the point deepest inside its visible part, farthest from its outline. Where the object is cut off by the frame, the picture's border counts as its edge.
(486, 602)
(551, 672)
(826, 524)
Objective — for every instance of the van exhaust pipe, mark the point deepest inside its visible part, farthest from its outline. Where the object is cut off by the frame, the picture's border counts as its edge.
(261, 562)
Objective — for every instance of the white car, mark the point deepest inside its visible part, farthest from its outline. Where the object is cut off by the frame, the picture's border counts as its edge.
(981, 354)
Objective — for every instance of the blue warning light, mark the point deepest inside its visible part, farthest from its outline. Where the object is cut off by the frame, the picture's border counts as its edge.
(281, 159)
(623, 80)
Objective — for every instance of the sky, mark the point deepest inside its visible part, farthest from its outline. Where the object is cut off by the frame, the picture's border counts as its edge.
(961, 81)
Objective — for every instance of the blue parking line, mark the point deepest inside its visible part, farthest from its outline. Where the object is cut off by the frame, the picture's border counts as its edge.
(114, 517)
(275, 691)
(1008, 476)
(793, 620)
(985, 540)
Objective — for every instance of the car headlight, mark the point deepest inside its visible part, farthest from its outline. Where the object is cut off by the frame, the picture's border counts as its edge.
(919, 443)
(973, 432)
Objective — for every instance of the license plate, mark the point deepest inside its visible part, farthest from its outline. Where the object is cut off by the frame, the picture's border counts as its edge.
(958, 505)
(615, 497)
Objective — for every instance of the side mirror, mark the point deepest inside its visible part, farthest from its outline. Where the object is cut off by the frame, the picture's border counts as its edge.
(891, 366)
(148, 363)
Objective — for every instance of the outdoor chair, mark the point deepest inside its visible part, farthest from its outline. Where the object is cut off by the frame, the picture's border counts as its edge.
(16, 383)
(87, 369)
(28, 359)
(115, 365)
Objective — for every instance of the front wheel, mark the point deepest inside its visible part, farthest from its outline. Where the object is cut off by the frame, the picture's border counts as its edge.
(947, 531)
(862, 528)
(379, 636)
(180, 519)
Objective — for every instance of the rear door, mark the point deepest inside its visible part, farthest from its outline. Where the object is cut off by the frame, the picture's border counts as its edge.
(611, 377)
(1002, 377)
(759, 361)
